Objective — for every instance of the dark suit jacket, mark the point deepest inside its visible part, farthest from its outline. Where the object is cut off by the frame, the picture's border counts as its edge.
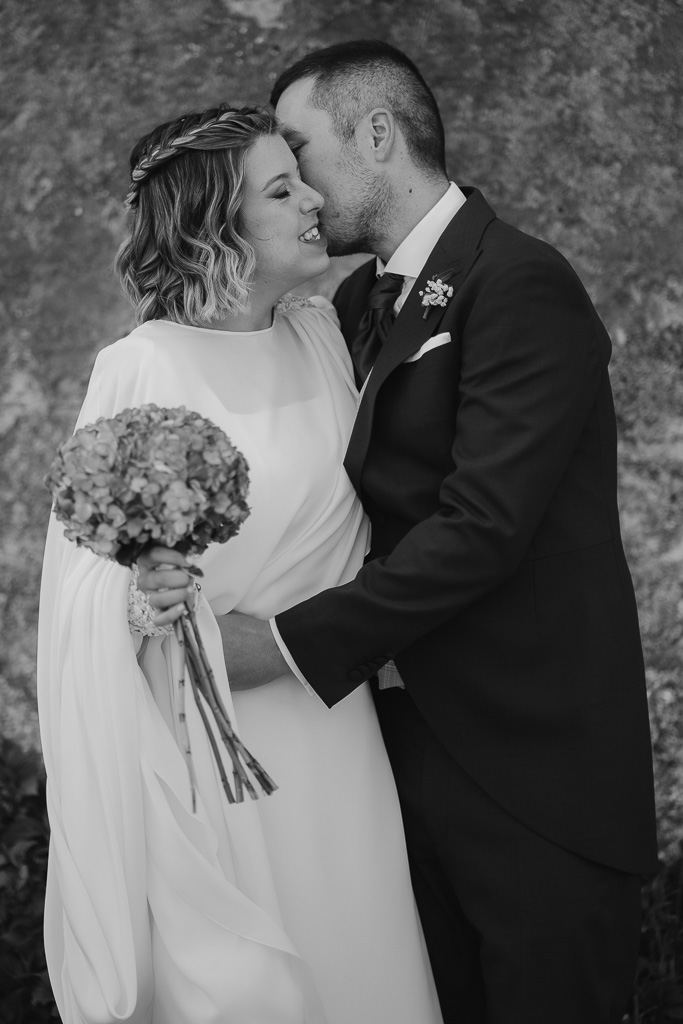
(497, 579)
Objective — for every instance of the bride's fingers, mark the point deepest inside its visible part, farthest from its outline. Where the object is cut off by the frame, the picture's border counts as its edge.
(163, 579)
(159, 555)
(170, 615)
(164, 599)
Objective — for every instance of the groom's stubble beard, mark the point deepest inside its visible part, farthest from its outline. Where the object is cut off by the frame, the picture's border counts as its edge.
(361, 222)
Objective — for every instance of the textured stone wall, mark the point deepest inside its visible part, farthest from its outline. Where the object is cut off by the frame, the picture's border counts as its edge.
(567, 113)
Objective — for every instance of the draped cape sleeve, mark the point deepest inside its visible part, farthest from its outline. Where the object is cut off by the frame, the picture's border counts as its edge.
(131, 868)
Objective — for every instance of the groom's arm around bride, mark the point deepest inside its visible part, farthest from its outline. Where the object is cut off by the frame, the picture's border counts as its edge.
(497, 580)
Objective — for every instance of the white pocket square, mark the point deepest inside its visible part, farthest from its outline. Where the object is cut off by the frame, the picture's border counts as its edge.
(438, 339)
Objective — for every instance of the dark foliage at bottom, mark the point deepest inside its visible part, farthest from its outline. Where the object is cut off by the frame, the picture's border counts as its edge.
(25, 994)
(659, 982)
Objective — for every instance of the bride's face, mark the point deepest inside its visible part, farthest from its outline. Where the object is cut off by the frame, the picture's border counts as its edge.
(279, 217)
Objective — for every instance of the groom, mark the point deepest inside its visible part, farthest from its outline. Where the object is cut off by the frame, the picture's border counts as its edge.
(496, 605)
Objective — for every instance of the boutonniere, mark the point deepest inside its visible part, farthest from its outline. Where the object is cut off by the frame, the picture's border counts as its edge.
(436, 292)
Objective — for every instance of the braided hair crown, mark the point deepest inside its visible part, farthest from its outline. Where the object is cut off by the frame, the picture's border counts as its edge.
(187, 257)
(218, 128)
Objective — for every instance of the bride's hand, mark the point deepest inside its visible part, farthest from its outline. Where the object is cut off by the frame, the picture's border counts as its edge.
(165, 579)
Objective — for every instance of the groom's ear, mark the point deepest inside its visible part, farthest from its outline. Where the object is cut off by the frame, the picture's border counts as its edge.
(376, 135)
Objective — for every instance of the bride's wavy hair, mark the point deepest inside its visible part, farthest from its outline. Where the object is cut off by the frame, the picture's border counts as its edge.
(186, 258)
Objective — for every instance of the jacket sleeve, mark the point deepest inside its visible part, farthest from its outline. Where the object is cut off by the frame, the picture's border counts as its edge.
(530, 372)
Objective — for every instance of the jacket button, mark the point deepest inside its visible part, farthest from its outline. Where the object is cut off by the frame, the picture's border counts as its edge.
(356, 677)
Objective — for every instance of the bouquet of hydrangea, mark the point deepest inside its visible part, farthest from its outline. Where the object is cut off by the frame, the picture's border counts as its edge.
(171, 477)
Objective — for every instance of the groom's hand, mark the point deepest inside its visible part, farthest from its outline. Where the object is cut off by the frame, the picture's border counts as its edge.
(252, 657)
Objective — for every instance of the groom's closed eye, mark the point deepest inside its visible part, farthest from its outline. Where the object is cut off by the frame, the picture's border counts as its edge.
(295, 140)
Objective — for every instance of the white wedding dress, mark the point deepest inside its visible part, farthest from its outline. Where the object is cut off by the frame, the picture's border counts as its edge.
(293, 909)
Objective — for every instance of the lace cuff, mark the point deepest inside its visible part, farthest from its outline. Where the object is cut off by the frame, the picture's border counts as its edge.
(140, 611)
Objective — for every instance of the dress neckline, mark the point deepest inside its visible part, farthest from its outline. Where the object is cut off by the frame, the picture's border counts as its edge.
(217, 331)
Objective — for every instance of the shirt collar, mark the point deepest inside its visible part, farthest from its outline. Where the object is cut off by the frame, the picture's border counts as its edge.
(414, 250)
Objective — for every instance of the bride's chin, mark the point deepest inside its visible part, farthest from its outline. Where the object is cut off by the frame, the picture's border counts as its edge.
(321, 263)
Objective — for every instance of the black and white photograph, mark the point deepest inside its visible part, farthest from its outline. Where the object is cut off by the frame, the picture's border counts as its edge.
(341, 425)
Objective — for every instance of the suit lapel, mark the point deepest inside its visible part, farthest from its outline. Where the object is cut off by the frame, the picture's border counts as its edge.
(455, 253)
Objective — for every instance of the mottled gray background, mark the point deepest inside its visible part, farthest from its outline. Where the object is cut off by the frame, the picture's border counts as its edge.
(567, 113)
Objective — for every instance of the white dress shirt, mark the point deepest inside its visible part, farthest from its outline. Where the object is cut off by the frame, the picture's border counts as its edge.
(415, 249)
(408, 260)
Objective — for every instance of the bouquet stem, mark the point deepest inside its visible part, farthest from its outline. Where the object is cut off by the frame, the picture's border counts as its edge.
(205, 691)
(182, 718)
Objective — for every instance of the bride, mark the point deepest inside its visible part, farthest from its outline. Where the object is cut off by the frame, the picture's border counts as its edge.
(296, 908)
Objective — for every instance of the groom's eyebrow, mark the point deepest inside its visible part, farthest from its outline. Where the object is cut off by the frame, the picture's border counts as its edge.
(294, 139)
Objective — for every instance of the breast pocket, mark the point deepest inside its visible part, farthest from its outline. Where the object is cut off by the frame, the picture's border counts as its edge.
(436, 342)
(432, 383)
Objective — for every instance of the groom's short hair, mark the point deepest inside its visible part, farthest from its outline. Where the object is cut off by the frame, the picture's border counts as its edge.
(351, 78)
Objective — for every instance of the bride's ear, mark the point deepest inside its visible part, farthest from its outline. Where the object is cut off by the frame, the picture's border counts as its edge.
(376, 135)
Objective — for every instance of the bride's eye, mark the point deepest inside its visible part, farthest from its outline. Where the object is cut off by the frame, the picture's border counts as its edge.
(282, 193)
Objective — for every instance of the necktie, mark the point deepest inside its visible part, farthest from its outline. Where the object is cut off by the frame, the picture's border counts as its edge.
(375, 323)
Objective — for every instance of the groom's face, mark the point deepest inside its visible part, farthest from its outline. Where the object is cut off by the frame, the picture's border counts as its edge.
(333, 168)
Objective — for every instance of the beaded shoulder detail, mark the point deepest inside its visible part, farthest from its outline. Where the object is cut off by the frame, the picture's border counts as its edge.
(293, 302)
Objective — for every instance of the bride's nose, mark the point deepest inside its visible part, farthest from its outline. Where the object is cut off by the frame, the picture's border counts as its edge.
(311, 200)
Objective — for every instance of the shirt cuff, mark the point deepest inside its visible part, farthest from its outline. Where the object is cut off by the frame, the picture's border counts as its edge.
(288, 657)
